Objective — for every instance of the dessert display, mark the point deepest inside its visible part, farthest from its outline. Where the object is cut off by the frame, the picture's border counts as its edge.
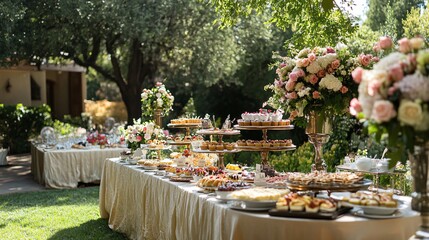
(212, 181)
(259, 194)
(217, 131)
(325, 178)
(263, 118)
(277, 181)
(164, 163)
(183, 121)
(148, 164)
(269, 144)
(215, 146)
(156, 144)
(295, 202)
(184, 139)
(372, 199)
(233, 168)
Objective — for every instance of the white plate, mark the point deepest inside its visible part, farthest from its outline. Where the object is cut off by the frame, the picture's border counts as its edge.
(375, 210)
(255, 204)
(241, 205)
(361, 213)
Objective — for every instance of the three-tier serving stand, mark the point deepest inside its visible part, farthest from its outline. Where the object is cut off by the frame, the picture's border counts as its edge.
(187, 127)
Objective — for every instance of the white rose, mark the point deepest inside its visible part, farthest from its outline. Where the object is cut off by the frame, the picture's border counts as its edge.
(147, 136)
(314, 67)
(330, 82)
(158, 95)
(410, 113)
(159, 102)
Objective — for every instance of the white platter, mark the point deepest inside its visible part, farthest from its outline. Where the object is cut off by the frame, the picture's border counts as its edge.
(241, 205)
(361, 213)
(254, 204)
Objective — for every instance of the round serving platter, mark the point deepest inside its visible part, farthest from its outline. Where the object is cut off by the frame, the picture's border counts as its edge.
(338, 187)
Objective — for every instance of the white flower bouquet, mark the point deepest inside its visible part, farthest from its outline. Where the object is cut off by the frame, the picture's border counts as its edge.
(141, 133)
(156, 98)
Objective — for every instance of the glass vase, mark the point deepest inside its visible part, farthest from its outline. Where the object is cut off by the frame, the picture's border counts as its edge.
(319, 128)
(420, 196)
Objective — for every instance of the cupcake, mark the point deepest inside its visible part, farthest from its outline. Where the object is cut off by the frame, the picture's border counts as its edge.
(219, 147)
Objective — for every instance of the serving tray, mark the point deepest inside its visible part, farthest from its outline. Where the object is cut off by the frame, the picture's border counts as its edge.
(319, 215)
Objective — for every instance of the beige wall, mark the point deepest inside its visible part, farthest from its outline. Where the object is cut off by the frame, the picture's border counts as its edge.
(20, 91)
(39, 77)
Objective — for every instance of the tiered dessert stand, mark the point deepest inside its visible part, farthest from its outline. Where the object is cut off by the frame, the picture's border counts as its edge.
(157, 149)
(265, 150)
(187, 127)
(220, 134)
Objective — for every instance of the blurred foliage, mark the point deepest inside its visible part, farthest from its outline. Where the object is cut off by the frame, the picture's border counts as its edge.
(83, 121)
(63, 128)
(362, 40)
(299, 160)
(387, 16)
(417, 23)
(20, 123)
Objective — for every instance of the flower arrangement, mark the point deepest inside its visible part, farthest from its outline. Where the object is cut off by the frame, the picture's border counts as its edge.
(394, 97)
(316, 79)
(156, 98)
(141, 133)
(95, 138)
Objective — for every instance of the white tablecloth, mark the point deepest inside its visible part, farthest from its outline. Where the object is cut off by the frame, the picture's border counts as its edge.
(66, 168)
(145, 206)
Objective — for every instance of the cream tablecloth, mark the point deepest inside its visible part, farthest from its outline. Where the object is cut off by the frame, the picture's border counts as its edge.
(145, 206)
(65, 168)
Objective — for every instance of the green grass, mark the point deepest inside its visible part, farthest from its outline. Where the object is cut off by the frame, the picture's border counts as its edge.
(54, 214)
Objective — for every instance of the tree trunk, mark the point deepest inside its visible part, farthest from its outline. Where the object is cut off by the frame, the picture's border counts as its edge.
(132, 100)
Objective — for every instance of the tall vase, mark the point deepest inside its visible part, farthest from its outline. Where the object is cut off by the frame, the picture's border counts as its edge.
(319, 128)
(420, 196)
(158, 117)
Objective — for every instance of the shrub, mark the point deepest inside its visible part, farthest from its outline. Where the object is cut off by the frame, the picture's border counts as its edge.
(19, 123)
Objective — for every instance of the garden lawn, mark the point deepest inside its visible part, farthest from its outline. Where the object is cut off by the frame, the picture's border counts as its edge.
(54, 214)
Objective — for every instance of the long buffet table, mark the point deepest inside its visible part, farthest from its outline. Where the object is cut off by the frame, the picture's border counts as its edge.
(66, 168)
(145, 206)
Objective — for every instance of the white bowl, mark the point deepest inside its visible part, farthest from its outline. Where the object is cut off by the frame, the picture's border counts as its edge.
(364, 163)
(223, 194)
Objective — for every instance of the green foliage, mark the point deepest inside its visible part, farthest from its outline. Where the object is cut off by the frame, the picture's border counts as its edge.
(314, 23)
(63, 128)
(299, 160)
(83, 121)
(55, 214)
(19, 123)
(362, 40)
(416, 24)
(386, 16)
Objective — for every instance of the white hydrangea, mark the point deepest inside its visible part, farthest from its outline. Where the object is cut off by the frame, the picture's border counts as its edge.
(330, 82)
(304, 92)
(389, 60)
(325, 60)
(314, 67)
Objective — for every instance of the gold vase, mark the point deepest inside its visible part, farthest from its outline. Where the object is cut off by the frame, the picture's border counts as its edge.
(420, 196)
(158, 117)
(319, 128)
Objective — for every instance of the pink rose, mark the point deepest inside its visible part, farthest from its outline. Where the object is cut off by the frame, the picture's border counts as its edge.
(330, 70)
(344, 89)
(138, 138)
(278, 83)
(316, 95)
(330, 50)
(385, 42)
(375, 59)
(396, 73)
(290, 85)
(376, 47)
(312, 57)
(357, 74)
(321, 73)
(364, 60)
(282, 65)
(404, 45)
(373, 87)
(293, 76)
(392, 90)
(355, 107)
(313, 79)
(304, 62)
(383, 111)
(291, 95)
(335, 64)
(300, 73)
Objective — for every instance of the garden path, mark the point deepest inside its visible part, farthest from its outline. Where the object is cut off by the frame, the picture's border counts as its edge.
(17, 177)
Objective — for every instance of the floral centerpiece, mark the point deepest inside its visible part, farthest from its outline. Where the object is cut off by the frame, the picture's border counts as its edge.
(394, 97)
(141, 133)
(316, 79)
(156, 98)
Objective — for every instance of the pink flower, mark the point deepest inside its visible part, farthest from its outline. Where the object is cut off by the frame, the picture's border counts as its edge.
(316, 95)
(373, 87)
(158, 84)
(330, 50)
(312, 57)
(300, 73)
(330, 70)
(385, 42)
(321, 73)
(138, 138)
(392, 90)
(313, 79)
(357, 74)
(355, 107)
(304, 62)
(365, 60)
(290, 85)
(344, 89)
(383, 111)
(335, 64)
(282, 65)
(293, 114)
(396, 73)
(404, 45)
(376, 47)
(291, 95)
(293, 76)
(375, 59)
